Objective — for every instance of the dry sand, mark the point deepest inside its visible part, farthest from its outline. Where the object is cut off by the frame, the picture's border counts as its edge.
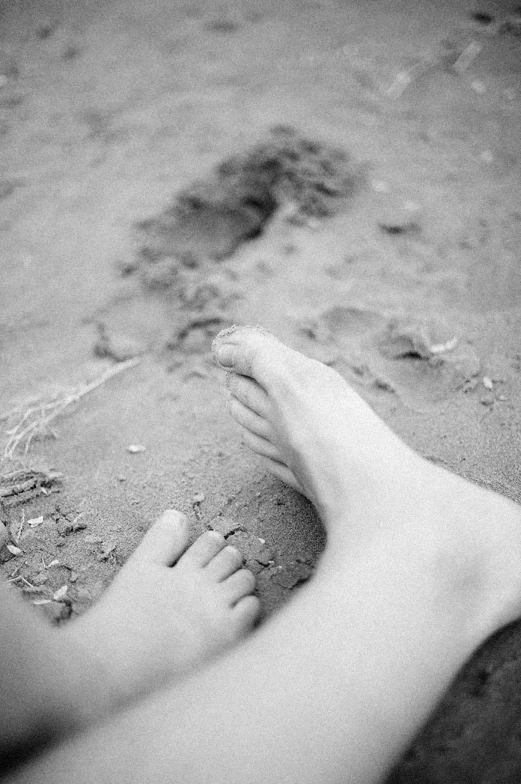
(410, 286)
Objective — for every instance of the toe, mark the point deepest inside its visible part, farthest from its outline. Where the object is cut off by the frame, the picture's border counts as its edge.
(246, 350)
(238, 585)
(248, 419)
(225, 563)
(204, 549)
(246, 612)
(261, 446)
(166, 540)
(249, 393)
(282, 472)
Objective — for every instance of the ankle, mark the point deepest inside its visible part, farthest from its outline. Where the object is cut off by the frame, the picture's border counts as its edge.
(378, 496)
(104, 694)
(455, 543)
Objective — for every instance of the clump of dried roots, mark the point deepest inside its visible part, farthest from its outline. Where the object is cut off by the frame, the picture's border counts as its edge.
(34, 420)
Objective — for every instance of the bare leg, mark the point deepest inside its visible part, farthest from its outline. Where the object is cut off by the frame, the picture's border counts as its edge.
(154, 624)
(419, 569)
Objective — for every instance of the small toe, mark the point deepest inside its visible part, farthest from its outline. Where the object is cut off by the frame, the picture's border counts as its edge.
(282, 472)
(246, 611)
(249, 393)
(166, 540)
(204, 549)
(248, 419)
(261, 446)
(257, 354)
(245, 350)
(225, 563)
(238, 585)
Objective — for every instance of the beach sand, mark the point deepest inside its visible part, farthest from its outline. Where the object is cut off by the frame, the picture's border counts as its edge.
(169, 169)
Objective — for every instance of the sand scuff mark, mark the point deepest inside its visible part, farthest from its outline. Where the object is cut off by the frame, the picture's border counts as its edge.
(424, 361)
(205, 305)
(180, 255)
(421, 360)
(211, 218)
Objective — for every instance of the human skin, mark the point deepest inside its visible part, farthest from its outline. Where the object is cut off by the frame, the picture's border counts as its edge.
(170, 608)
(420, 567)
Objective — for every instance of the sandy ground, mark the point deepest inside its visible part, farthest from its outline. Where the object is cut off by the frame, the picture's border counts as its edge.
(412, 288)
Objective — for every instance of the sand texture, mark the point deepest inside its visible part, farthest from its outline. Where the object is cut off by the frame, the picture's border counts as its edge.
(346, 175)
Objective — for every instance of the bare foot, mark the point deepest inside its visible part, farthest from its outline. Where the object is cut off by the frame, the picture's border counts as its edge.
(315, 433)
(169, 609)
(307, 424)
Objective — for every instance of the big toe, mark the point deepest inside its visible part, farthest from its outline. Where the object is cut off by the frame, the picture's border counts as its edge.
(166, 540)
(250, 351)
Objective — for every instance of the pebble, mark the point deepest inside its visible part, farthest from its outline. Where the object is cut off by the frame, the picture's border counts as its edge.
(90, 539)
(478, 87)
(488, 383)
(135, 448)
(198, 498)
(120, 348)
(106, 550)
(60, 593)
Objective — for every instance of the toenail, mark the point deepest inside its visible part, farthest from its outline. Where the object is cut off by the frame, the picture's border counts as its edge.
(173, 517)
(214, 535)
(224, 355)
(223, 334)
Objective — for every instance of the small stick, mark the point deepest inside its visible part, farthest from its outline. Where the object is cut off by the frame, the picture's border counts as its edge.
(404, 78)
(77, 517)
(13, 573)
(19, 532)
(467, 56)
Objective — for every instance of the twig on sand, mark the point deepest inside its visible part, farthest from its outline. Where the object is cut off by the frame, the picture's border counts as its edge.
(35, 420)
(24, 484)
(462, 62)
(404, 78)
(467, 56)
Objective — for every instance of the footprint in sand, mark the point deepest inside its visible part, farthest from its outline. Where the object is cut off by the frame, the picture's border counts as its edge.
(423, 361)
(211, 218)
